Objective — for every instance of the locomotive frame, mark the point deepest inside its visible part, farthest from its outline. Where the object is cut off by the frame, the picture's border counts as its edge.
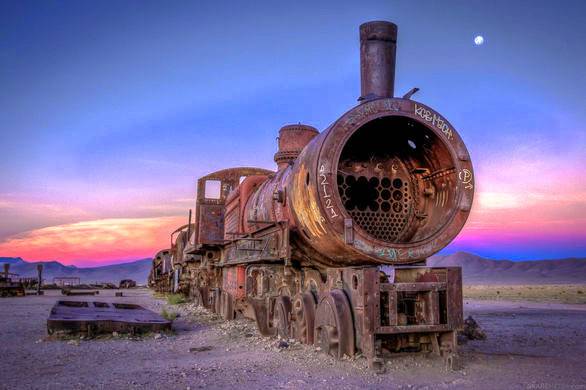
(318, 250)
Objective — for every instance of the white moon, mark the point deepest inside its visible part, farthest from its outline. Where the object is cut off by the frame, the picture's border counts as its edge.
(478, 40)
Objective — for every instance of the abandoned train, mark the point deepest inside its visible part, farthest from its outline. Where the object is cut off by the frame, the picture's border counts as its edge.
(330, 249)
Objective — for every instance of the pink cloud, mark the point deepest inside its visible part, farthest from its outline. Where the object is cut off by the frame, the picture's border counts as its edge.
(94, 242)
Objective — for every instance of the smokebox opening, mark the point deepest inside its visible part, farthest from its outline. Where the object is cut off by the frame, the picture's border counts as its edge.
(397, 180)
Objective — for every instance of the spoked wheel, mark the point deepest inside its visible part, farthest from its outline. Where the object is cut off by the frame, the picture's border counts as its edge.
(226, 306)
(282, 317)
(334, 329)
(303, 317)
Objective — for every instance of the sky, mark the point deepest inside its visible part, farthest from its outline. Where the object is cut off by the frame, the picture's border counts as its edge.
(110, 111)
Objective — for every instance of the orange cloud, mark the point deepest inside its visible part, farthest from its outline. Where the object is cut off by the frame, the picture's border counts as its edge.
(94, 242)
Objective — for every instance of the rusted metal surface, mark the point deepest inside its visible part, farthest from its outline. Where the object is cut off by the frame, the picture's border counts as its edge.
(378, 43)
(330, 249)
(334, 328)
(91, 318)
(209, 211)
(292, 140)
(371, 145)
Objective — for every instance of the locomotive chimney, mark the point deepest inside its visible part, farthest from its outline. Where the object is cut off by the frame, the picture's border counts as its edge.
(378, 43)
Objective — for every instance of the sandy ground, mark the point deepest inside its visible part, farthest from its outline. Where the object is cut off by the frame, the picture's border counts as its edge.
(552, 293)
(530, 346)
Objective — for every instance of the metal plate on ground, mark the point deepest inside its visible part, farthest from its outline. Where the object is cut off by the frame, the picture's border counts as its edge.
(91, 318)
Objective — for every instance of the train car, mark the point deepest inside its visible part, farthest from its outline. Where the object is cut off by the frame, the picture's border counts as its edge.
(331, 248)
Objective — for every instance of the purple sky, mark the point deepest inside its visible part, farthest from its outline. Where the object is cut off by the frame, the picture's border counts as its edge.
(111, 110)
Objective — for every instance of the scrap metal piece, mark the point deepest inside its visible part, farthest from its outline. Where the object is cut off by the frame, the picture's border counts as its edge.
(68, 292)
(90, 318)
(127, 283)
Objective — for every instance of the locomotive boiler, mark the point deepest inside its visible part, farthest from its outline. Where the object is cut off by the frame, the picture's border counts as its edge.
(330, 248)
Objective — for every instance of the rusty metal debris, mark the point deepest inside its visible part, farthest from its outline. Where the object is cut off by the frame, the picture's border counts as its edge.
(127, 283)
(69, 292)
(471, 331)
(10, 285)
(90, 318)
(331, 248)
(205, 348)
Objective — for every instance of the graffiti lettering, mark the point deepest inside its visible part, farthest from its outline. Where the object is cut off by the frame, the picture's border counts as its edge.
(325, 192)
(389, 253)
(392, 105)
(465, 177)
(435, 120)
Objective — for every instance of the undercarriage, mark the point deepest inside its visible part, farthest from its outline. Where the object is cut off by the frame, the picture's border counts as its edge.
(375, 311)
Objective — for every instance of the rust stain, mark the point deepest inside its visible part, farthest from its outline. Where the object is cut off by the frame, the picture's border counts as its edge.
(306, 206)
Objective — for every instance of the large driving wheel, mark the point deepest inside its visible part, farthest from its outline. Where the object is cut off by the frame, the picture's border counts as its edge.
(282, 317)
(303, 317)
(334, 329)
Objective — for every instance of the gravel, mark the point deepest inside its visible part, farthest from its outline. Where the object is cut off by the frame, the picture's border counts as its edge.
(527, 346)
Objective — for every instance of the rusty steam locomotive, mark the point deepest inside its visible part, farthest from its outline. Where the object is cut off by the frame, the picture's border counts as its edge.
(330, 249)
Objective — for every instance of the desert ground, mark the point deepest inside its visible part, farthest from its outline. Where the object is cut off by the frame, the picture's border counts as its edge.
(549, 293)
(529, 345)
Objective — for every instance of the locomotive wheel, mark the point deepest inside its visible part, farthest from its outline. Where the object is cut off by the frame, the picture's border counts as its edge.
(226, 306)
(204, 294)
(282, 317)
(334, 329)
(196, 296)
(303, 317)
(262, 316)
(215, 300)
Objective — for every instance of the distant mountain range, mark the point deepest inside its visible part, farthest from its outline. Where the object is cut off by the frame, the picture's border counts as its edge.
(476, 270)
(137, 270)
(11, 260)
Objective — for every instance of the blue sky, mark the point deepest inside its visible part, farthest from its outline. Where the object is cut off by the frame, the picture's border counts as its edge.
(113, 109)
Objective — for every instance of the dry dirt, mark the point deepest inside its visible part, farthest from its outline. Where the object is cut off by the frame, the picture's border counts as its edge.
(529, 346)
(550, 293)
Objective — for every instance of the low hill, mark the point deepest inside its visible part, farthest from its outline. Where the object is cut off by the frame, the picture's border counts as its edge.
(478, 270)
(11, 260)
(137, 270)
